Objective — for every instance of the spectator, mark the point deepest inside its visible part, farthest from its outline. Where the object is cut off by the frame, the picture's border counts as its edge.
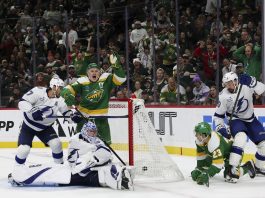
(211, 6)
(138, 73)
(160, 81)
(212, 97)
(200, 91)
(72, 37)
(228, 66)
(72, 77)
(120, 95)
(250, 56)
(137, 34)
(14, 98)
(170, 93)
(208, 57)
(137, 89)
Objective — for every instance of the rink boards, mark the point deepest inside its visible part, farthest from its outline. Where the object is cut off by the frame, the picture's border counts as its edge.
(174, 126)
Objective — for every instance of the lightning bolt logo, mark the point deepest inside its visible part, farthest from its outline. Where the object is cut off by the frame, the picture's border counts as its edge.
(239, 104)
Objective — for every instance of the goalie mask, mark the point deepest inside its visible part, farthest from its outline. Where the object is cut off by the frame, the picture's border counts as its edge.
(202, 131)
(89, 131)
(230, 81)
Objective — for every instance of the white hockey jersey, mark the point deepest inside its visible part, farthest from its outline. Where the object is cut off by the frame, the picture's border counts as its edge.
(244, 109)
(37, 99)
(84, 154)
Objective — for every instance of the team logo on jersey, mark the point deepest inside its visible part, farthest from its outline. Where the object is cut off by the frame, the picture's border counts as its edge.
(42, 98)
(242, 105)
(95, 96)
(46, 110)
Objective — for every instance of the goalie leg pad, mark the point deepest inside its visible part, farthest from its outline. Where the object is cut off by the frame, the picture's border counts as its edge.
(42, 174)
(115, 177)
(57, 151)
(237, 150)
(22, 154)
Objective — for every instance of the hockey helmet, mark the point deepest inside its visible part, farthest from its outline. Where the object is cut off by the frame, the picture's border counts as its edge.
(203, 128)
(230, 76)
(88, 130)
(57, 82)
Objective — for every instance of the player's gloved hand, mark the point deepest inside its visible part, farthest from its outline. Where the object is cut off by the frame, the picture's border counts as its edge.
(224, 132)
(203, 178)
(245, 79)
(76, 117)
(195, 174)
(37, 115)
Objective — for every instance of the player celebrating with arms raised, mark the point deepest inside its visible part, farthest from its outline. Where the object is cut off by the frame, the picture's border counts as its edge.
(39, 105)
(89, 164)
(243, 123)
(95, 91)
(212, 155)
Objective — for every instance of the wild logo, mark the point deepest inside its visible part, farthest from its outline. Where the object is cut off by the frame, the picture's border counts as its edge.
(95, 96)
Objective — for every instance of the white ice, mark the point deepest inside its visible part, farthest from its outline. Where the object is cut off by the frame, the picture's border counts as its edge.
(245, 188)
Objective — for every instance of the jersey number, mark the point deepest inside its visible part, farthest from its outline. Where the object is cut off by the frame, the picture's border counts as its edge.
(217, 153)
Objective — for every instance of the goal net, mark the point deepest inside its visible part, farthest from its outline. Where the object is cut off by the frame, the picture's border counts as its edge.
(144, 150)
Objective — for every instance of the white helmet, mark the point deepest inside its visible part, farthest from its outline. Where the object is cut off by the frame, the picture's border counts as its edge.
(230, 76)
(57, 82)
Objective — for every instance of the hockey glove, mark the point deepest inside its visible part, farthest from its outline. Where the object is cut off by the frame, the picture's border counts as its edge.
(224, 132)
(195, 173)
(37, 115)
(76, 117)
(203, 178)
(245, 79)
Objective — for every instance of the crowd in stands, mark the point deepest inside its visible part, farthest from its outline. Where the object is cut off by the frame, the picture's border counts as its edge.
(181, 74)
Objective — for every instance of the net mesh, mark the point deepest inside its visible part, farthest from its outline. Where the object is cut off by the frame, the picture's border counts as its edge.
(151, 160)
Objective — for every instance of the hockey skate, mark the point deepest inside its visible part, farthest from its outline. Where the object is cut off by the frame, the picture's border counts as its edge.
(12, 181)
(249, 165)
(232, 175)
(126, 180)
(259, 171)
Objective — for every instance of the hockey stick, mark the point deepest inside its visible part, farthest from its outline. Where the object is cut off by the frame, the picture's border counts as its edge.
(234, 107)
(87, 119)
(123, 116)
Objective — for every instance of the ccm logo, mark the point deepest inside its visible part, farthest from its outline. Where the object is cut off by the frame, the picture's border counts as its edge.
(6, 125)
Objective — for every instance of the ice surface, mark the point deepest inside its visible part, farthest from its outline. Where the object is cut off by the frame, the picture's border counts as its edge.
(245, 188)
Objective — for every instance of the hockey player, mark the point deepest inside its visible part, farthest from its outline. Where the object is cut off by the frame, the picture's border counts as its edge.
(244, 123)
(95, 91)
(38, 106)
(212, 155)
(89, 164)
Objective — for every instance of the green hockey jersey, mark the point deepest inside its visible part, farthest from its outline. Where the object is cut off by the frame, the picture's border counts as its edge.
(94, 95)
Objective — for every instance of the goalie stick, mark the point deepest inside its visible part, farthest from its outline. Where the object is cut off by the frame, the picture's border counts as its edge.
(87, 119)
